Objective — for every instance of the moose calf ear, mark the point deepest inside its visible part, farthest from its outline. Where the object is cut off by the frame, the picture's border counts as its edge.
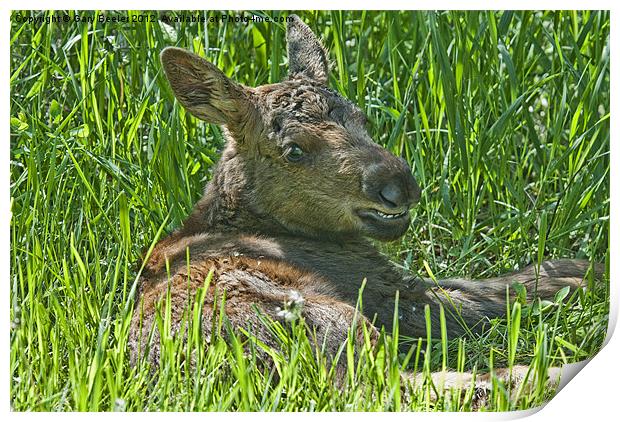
(306, 55)
(203, 89)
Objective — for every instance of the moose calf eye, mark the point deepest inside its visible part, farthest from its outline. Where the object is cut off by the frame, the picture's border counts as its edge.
(294, 153)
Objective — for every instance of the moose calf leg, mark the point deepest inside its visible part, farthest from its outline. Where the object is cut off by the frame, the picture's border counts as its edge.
(468, 303)
(518, 382)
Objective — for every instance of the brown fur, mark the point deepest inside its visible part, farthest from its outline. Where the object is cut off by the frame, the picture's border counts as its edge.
(298, 190)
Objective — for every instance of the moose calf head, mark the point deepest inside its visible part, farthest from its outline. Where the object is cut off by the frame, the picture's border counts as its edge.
(305, 155)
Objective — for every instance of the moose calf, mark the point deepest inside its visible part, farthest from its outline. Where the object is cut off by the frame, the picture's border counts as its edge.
(286, 218)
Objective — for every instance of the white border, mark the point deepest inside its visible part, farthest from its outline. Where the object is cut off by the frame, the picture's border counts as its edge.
(591, 395)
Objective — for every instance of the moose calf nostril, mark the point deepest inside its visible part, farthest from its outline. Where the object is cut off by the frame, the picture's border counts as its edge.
(392, 195)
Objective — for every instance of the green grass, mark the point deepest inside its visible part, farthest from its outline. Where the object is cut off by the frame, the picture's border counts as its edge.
(503, 116)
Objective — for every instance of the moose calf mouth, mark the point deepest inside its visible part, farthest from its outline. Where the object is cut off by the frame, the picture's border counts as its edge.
(384, 225)
(389, 216)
